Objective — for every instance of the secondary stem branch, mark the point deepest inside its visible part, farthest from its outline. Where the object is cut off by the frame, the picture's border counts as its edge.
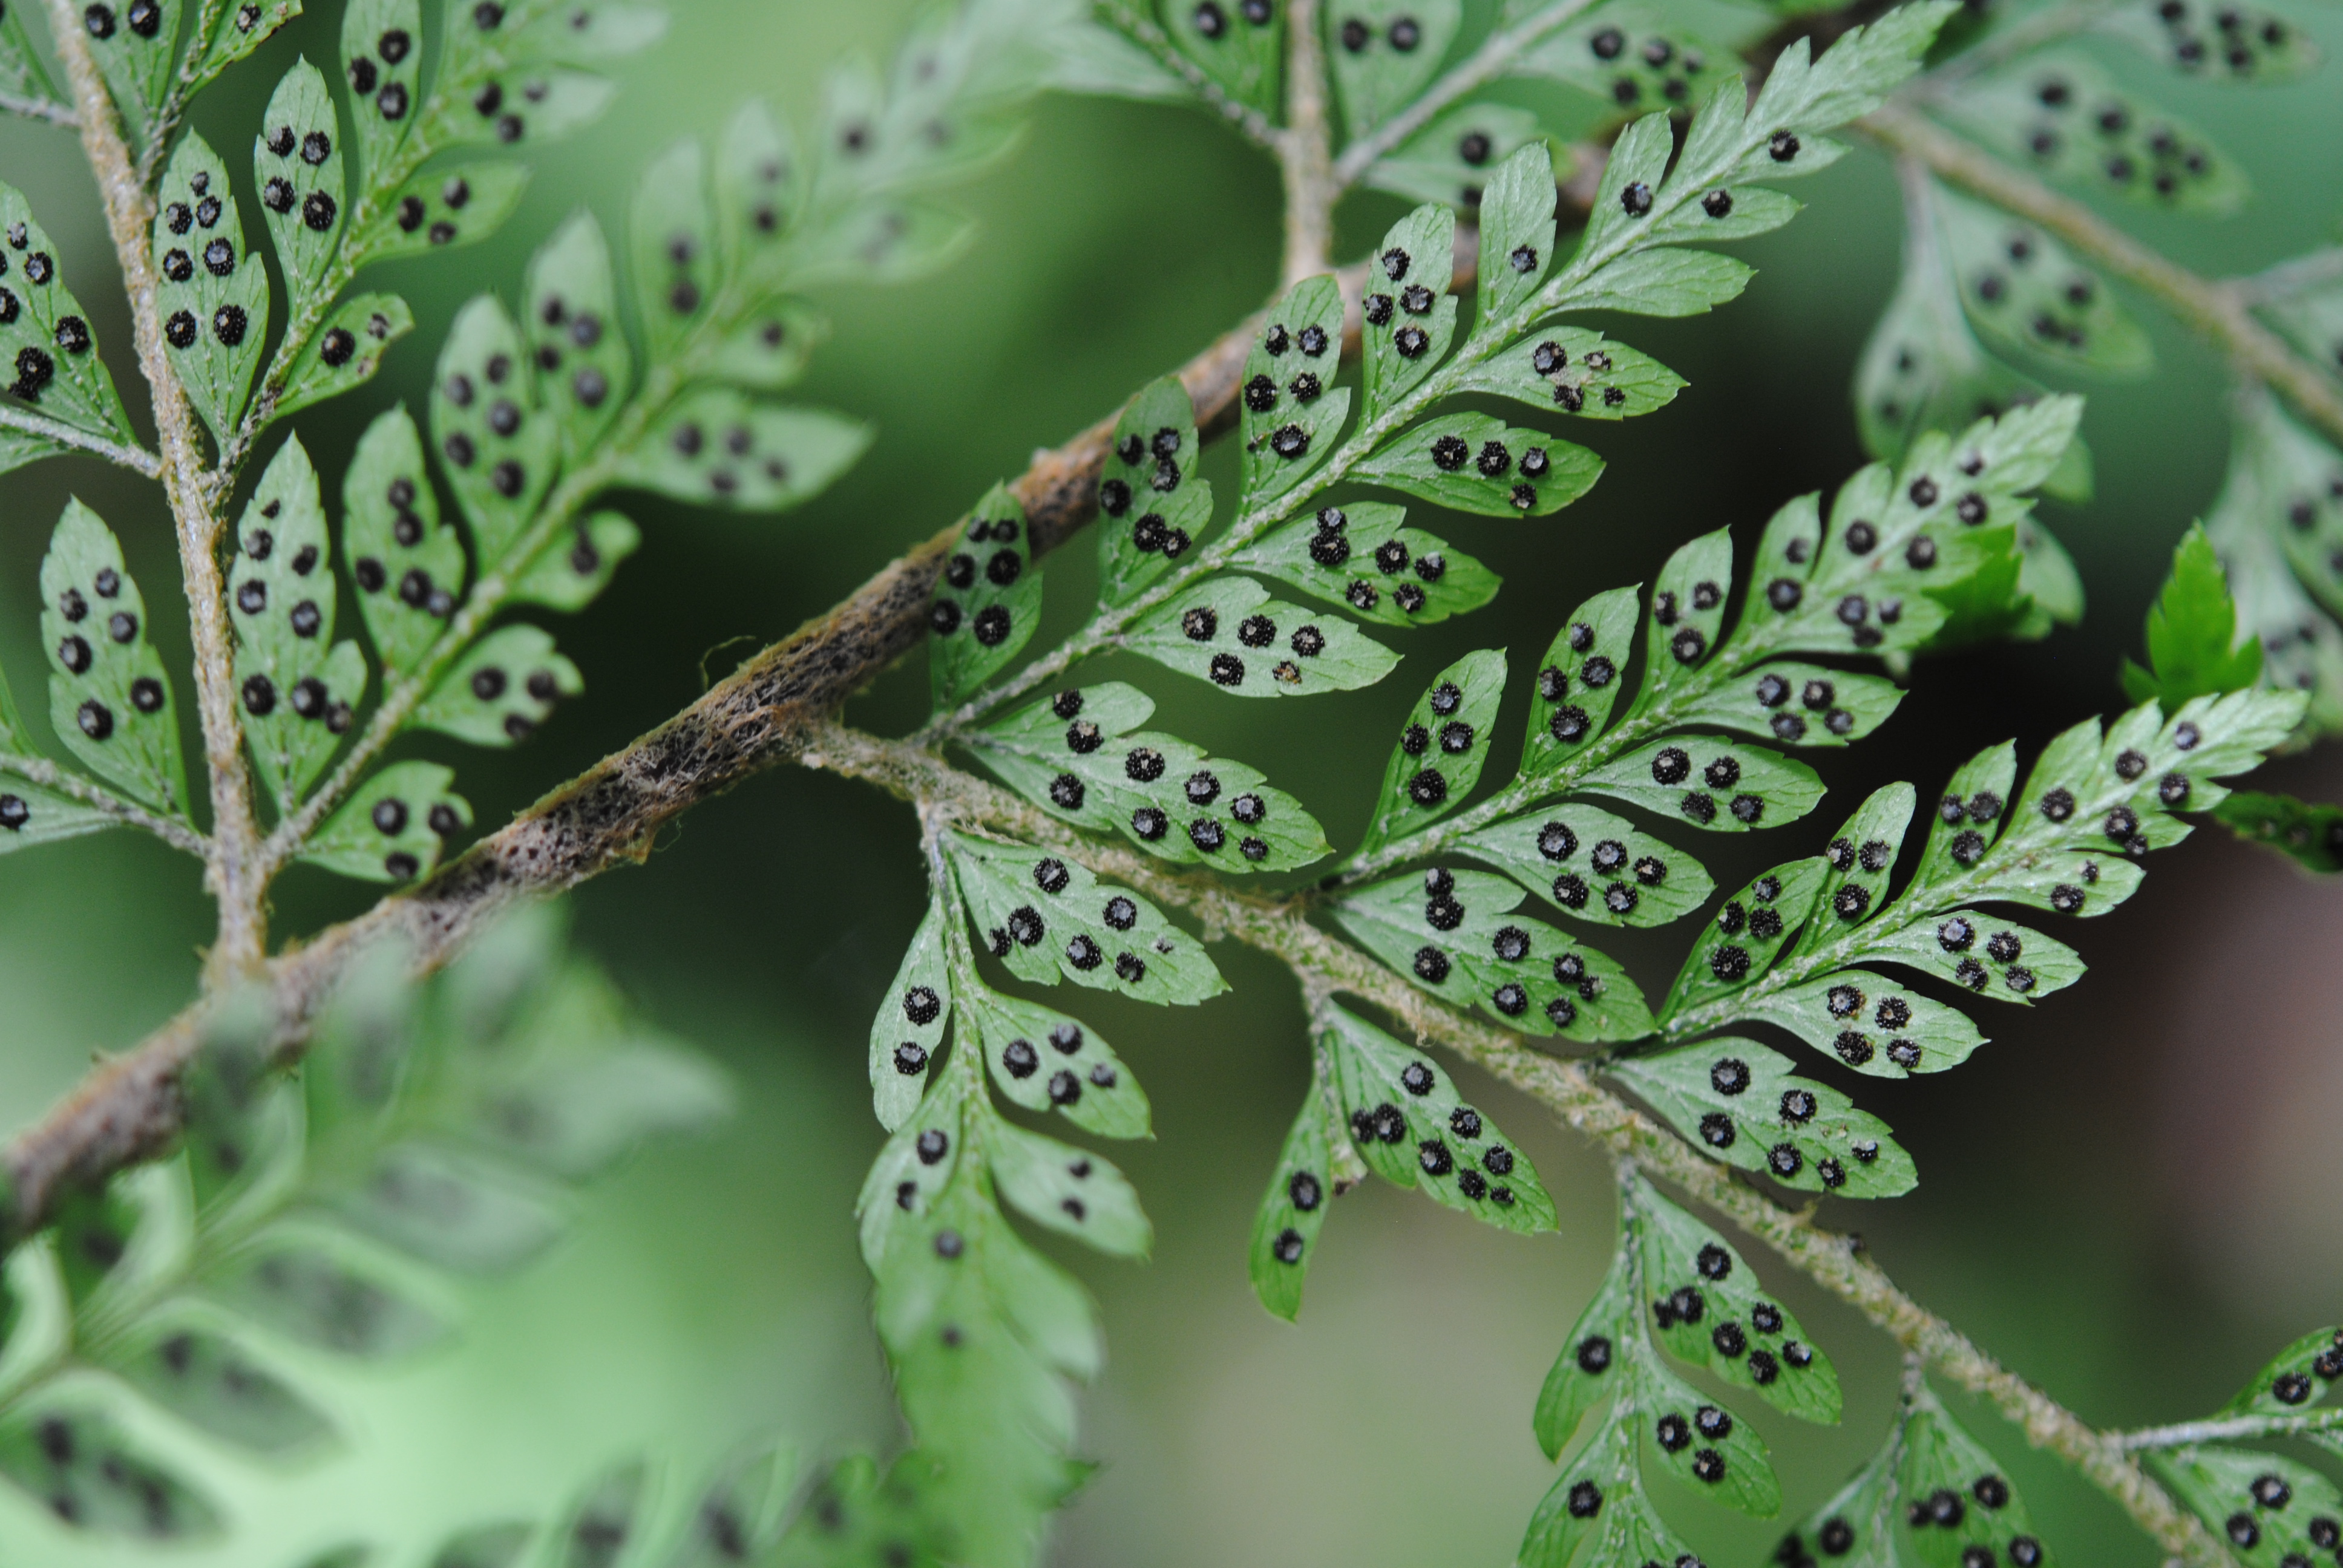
(233, 871)
(1303, 152)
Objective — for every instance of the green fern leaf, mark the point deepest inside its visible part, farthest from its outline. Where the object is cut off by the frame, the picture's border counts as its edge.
(1239, 44)
(2312, 835)
(574, 325)
(408, 566)
(1385, 53)
(1411, 315)
(1293, 1209)
(1287, 435)
(498, 442)
(457, 205)
(1572, 854)
(1962, 1501)
(1228, 632)
(346, 353)
(1473, 463)
(1743, 1103)
(2286, 1383)
(1069, 1190)
(2064, 116)
(2029, 296)
(50, 341)
(1630, 57)
(297, 165)
(1415, 579)
(1579, 371)
(213, 298)
(1152, 481)
(2242, 44)
(988, 603)
(909, 1032)
(1081, 756)
(1413, 1129)
(1046, 919)
(1441, 749)
(109, 697)
(502, 689)
(1453, 933)
(1042, 1059)
(2192, 633)
(382, 56)
(299, 686)
(135, 49)
(1451, 160)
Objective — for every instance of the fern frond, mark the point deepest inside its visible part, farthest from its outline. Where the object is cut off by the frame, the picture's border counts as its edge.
(433, 1128)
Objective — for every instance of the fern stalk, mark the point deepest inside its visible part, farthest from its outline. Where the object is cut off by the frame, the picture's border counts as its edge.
(234, 864)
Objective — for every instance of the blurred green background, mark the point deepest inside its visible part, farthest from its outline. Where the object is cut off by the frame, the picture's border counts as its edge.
(2128, 1197)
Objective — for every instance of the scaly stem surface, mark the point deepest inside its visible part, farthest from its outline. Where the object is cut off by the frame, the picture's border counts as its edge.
(1303, 148)
(233, 868)
(2232, 1429)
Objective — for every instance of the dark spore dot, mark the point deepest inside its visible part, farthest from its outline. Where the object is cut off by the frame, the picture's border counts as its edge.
(2058, 805)
(1763, 1368)
(1304, 1191)
(1584, 1499)
(1636, 198)
(1782, 148)
(1903, 1054)
(1673, 1433)
(1570, 891)
(96, 719)
(1716, 1129)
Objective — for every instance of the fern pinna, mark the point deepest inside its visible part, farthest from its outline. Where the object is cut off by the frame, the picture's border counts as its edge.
(429, 1126)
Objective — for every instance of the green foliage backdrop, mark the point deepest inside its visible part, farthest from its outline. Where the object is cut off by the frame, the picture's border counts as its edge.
(714, 1289)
